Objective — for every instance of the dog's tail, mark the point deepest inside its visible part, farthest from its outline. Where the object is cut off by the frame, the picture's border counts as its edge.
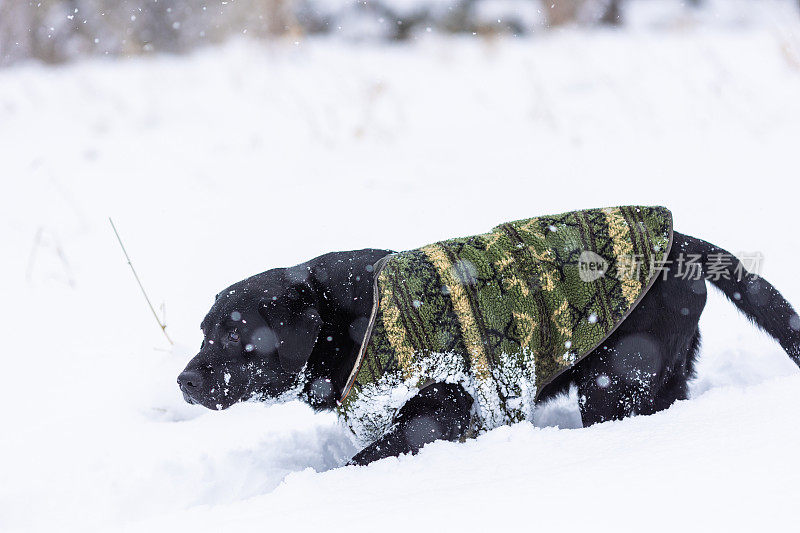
(753, 295)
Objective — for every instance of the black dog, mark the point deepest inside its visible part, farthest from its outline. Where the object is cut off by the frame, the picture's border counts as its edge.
(295, 332)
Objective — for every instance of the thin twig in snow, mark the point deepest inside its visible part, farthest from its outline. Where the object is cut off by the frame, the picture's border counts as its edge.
(162, 325)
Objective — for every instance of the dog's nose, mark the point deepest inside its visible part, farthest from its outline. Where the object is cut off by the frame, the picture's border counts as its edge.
(190, 379)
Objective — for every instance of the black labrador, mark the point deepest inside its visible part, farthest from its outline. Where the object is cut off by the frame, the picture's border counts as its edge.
(295, 332)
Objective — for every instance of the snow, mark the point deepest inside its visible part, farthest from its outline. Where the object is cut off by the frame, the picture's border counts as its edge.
(221, 164)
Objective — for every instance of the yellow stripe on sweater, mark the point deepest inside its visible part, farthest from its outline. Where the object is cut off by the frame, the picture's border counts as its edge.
(458, 295)
(623, 250)
(395, 331)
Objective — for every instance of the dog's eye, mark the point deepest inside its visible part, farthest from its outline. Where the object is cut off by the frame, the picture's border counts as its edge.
(234, 336)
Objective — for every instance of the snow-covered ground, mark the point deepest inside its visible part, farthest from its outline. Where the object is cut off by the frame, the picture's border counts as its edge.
(226, 163)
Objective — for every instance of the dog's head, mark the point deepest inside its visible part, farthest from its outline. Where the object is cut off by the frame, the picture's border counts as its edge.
(257, 337)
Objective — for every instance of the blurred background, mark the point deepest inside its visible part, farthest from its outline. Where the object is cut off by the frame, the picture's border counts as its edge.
(227, 137)
(55, 31)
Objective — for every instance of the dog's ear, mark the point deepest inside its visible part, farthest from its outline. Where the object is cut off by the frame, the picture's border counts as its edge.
(295, 321)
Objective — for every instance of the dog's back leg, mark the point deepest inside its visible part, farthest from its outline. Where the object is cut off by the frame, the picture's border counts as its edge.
(635, 375)
(676, 385)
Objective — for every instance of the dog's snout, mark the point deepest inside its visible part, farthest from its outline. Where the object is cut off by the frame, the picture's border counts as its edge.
(190, 379)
